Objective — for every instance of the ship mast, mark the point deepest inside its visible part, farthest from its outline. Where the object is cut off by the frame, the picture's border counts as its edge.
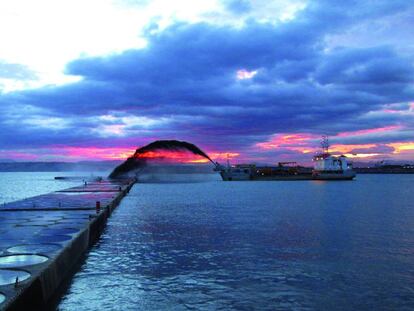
(325, 144)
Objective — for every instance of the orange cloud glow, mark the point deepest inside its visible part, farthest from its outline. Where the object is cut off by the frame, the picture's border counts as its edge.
(171, 156)
(309, 143)
(297, 142)
(97, 153)
(339, 148)
(184, 157)
(361, 155)
(402, 147)
(217, 156)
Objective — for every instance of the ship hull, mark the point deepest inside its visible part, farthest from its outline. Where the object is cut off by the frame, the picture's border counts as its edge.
(228, 176)
(345, 175)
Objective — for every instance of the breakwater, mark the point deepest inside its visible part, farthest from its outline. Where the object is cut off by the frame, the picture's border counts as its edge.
(42, 238)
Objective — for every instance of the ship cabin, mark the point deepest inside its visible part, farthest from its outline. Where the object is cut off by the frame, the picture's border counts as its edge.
(326, 162)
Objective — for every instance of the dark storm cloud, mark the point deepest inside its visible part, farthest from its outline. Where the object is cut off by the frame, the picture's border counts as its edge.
(194, 53)
(377, 66)
(188, 73)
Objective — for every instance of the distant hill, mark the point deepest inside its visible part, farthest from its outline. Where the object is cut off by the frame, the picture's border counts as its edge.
(6, 161)
(94, 166)
(368, 164)
(84, 166)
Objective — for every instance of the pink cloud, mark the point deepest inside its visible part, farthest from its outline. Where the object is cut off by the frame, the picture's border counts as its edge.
(298, 142)
(309, 143)
(243, 74)
(94, 153)
(18, 156)
(369, 131)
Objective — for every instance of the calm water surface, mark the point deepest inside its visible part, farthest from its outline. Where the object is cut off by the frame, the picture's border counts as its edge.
(255, 246)
(19, 185)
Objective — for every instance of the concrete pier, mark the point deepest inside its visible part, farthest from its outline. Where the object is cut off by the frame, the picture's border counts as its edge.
(43, 238)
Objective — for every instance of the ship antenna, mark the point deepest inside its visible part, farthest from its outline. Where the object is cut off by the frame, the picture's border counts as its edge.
(325, 144)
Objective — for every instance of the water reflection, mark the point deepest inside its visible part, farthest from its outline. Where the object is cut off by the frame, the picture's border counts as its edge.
(9, 276)
(14, 261)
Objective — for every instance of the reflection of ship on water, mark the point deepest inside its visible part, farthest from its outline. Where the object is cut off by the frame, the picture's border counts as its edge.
(326, 167)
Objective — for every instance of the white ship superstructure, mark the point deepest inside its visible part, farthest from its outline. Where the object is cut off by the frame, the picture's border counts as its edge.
(327, 166)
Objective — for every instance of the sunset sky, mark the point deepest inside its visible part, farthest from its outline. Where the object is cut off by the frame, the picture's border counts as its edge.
(260, 80)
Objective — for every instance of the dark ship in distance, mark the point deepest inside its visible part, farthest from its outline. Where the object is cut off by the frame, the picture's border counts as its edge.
(383, 168)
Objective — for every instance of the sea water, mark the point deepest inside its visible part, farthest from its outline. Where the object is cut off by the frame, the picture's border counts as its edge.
(298, 245)
(19, 185)
(213, 245)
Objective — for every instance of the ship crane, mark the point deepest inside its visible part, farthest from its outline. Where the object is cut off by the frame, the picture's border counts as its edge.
(325, 144)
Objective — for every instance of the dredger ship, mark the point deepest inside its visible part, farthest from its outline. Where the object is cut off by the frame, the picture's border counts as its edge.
(326, 167)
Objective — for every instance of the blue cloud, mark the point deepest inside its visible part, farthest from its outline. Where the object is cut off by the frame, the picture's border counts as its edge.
(237, 6)
(378, 66)
(188, 73)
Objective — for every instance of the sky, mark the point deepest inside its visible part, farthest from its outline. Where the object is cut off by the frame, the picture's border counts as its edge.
(254, 80)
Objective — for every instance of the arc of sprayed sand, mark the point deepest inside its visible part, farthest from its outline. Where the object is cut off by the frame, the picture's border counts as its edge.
(174, 145)
(134, 162)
